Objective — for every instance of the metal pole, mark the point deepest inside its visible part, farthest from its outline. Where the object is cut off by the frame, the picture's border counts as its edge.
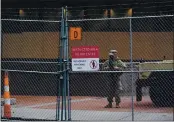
(131, 62)
(1, 41)
(58, 100)
(65, 61)
(173, 49)
(60, 76)
(62, 51)
(67, 58)
(58, 97)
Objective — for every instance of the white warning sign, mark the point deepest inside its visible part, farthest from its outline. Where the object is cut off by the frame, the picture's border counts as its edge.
(85, 58)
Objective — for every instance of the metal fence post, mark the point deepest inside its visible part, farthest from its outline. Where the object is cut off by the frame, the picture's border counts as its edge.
(63, 59)
(61, 78)
(64, 70)
(67, 65)
(173, 48)
(131, 62)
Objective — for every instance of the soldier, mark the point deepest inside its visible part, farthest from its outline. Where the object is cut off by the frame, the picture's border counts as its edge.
(114, 64)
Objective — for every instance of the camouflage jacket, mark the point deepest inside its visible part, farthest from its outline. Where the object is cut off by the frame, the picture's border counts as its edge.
(109, 65)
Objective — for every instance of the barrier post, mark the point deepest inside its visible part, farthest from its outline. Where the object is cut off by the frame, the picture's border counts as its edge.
(7, 105)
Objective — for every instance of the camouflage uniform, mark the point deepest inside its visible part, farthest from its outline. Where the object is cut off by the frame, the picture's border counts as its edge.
(114, 80)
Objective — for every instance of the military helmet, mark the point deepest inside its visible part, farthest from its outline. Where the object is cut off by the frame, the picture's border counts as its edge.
(113, 51)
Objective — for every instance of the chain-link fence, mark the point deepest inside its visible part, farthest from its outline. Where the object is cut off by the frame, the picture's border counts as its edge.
(30, 53)
(152, 40)
(150, 36)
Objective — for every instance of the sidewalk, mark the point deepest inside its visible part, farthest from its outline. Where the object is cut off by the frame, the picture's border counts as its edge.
(89, 108)
(48, 114)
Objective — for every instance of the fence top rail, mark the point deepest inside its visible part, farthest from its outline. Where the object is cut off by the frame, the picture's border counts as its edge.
(97, 19)
(25, 20)
(118, 18)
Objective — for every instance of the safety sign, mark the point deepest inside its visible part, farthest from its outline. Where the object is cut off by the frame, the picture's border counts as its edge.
(85, 58)
(75, 34)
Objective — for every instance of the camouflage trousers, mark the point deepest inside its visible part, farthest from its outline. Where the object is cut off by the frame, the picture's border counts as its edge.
(114, 89)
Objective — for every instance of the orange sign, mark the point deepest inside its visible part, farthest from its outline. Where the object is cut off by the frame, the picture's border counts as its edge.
(75, 33)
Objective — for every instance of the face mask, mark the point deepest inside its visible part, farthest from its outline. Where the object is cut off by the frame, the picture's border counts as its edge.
(111, 57)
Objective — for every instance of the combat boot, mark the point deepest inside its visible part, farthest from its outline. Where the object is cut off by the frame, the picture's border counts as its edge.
(117, 105)
(108, 105)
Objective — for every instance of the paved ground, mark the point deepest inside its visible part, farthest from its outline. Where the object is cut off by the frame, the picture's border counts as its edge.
(89, 108)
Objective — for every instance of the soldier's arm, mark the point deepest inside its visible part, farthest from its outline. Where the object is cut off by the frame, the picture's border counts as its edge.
(122, 65)
(105, 65)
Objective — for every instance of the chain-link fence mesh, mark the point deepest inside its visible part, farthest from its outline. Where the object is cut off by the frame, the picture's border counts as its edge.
(153, 43)
(107, 35)
(152, 40)
(30, 52)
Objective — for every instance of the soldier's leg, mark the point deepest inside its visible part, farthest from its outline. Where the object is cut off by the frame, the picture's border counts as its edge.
(111, 92)
(117, 93)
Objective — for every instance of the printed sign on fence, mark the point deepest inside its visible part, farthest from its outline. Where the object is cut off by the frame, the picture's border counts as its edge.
(85, 58)
(75, 33)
